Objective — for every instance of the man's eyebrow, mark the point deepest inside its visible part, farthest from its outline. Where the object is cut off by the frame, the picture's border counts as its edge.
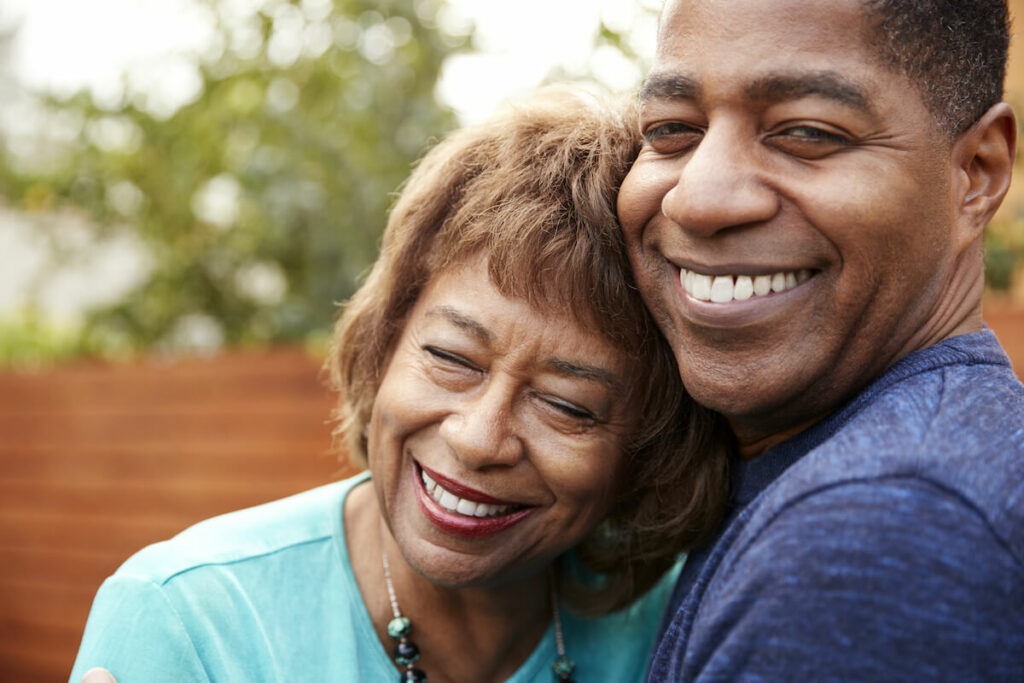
(592, 373)
(460, 320)
(773, 88)
(666, 86)
(827, 84)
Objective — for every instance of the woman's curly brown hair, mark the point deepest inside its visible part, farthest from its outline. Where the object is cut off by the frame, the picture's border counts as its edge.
(534, 190)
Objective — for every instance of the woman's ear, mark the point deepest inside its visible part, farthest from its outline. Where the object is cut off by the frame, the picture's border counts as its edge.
(983, 164)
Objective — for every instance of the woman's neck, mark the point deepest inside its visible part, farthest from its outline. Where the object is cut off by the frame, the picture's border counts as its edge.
(466, 634)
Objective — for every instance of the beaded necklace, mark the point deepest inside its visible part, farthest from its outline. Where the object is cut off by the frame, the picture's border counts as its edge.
(407, 653)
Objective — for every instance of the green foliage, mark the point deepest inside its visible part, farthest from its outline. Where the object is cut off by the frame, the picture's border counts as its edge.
(262, 200)
(1004, 247)
(29, 342)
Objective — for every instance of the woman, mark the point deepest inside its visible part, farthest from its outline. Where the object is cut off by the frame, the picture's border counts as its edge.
(501, 379)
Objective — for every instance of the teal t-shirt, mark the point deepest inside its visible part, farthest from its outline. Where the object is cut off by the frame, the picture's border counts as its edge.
(268, 594)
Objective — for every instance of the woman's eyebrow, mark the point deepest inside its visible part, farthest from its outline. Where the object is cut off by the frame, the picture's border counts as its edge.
(460, 320)
(593, 373)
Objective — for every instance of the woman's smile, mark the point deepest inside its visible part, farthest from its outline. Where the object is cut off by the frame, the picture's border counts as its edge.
(456, 497)
(461, 516)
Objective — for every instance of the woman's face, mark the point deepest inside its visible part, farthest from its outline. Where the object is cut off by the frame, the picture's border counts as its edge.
(497, 434)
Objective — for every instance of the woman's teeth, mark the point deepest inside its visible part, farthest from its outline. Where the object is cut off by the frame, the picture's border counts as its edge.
(452, 503)
(720, 289)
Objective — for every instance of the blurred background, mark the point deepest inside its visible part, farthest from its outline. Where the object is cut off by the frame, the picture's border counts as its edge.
(187, 190)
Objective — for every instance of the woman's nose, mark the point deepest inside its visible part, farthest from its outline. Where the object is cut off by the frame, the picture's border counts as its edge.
(720, 185)
(481, 431)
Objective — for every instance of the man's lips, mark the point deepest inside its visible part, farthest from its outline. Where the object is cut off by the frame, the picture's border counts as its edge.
(724, 288)
(711, 301)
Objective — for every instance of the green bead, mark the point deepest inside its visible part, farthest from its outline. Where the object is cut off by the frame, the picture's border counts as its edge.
(399, 627)
(563, 667)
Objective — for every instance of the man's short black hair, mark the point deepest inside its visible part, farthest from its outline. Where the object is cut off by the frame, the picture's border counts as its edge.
(953, 50)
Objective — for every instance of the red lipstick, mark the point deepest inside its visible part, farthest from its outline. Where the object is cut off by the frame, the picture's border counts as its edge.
(454, 524)
(463, 491)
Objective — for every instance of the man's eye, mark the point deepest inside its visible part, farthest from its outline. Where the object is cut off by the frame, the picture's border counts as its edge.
(808, 142)
(811, 133)
(671, 137)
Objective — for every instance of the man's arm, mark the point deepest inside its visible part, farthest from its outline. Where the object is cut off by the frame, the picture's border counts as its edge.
(893, 580)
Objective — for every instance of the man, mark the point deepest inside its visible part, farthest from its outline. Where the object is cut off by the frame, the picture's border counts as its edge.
(805, 221)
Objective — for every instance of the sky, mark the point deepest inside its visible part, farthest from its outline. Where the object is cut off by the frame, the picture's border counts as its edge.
(62, 46)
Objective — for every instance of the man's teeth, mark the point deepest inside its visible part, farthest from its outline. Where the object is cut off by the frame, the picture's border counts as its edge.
(452, 503)
(722, 289)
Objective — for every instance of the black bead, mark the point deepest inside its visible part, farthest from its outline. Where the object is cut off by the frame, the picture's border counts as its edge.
(413, 676)
(406, 652)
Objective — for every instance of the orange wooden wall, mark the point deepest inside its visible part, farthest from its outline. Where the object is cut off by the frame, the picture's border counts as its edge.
(97, 461)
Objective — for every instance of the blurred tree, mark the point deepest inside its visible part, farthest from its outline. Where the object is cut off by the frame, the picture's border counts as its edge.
(257, 196)
(261, 199)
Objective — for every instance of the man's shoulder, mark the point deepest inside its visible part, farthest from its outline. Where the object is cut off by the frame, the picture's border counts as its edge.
(862, 581)
(244, 535)
(957, 427)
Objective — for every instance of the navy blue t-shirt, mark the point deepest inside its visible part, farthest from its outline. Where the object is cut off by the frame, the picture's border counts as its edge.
(885, 543)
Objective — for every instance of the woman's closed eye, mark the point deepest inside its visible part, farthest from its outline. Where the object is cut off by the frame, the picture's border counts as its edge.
(568, 410)
(450, 360)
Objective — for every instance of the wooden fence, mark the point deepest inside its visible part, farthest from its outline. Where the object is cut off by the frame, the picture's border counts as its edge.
(97, 461)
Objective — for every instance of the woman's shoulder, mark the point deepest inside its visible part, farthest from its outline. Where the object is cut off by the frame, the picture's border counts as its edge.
(249, 534)
(239, 597)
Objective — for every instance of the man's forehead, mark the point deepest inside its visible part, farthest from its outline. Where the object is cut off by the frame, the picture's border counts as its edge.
(689, 20)
(671, 9)
(769, 50)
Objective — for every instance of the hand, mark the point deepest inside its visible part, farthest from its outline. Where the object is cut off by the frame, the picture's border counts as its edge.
(98, 675)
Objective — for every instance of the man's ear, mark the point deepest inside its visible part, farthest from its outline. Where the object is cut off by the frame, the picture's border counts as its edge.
(982, 166)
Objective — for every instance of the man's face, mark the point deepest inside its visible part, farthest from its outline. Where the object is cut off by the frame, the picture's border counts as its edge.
(790, 215)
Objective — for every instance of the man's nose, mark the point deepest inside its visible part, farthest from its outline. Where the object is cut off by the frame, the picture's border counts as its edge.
(721, 185)
(481, 431)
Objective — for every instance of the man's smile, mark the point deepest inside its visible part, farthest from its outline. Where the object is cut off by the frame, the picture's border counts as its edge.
(721, 289)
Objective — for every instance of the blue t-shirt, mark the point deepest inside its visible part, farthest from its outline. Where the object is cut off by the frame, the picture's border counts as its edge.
(885, 543)
(268, 594)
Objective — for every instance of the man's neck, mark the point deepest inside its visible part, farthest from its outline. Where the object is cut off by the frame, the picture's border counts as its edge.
(752, 446)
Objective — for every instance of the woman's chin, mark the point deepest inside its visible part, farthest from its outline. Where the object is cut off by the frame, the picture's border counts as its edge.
(453, 570)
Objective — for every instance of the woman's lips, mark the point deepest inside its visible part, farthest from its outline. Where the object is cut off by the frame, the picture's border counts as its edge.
(455, 523)
(463, 491)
